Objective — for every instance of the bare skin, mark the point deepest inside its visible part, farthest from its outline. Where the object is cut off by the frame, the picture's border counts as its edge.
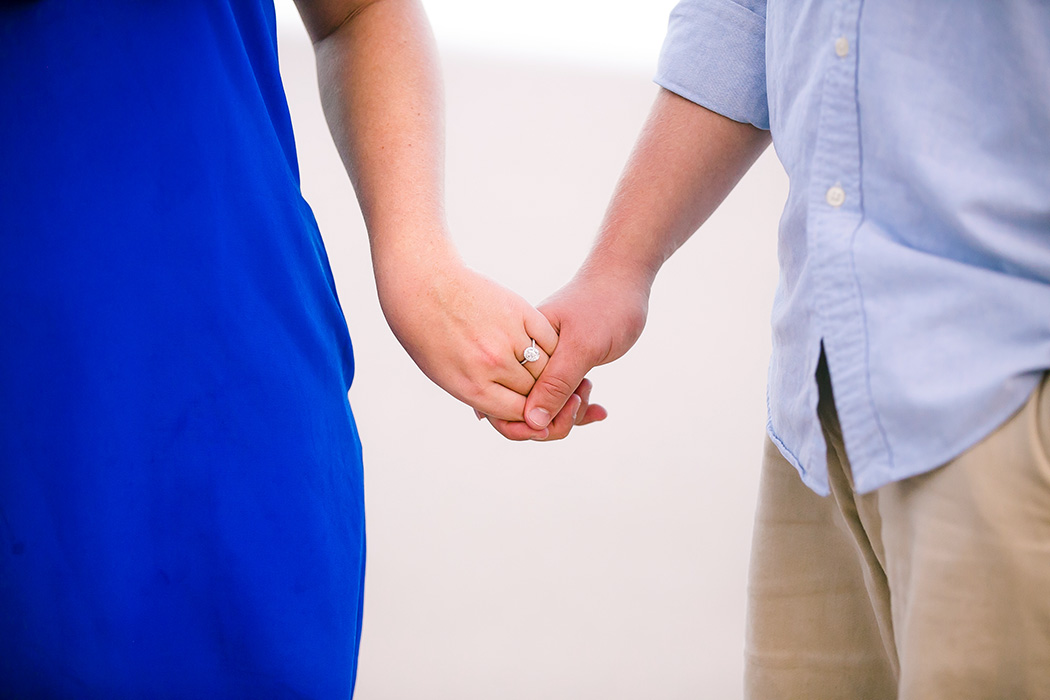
(687, 159)
(381, 94)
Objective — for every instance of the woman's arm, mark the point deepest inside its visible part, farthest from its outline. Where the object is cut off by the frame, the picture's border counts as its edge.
(381, 93)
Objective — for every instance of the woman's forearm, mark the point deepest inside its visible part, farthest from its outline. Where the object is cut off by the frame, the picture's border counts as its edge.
(381, 92)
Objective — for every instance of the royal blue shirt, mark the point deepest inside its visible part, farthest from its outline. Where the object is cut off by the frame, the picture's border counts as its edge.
(181, 501)
(915, 242)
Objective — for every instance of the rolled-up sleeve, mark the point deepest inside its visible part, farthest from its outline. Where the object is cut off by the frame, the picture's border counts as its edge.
(715, 55)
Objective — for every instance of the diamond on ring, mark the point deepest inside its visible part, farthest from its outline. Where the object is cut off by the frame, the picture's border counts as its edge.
(532, 353)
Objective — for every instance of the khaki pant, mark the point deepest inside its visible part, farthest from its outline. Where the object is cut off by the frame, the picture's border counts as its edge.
(934, 587)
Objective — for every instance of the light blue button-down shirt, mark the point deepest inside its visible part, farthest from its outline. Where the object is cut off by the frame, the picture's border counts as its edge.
(915, 243)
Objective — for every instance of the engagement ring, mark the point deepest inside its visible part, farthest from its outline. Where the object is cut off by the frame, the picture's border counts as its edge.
(532, 353)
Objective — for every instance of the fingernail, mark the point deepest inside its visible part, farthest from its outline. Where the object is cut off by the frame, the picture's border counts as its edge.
(541, 437)
(539, 417)
(479, 414)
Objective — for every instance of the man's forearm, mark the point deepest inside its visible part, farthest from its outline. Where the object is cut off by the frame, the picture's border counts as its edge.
(686, 160)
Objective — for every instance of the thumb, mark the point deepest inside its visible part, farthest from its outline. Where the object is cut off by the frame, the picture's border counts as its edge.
(559, 379)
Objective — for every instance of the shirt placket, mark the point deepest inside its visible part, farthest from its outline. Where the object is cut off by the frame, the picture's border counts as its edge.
(835, 214)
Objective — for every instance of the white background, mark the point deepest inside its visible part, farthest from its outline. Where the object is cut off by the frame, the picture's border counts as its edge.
(610, 566)
(622, 33)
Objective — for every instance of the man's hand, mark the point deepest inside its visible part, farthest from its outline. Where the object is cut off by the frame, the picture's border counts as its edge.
(598, 318)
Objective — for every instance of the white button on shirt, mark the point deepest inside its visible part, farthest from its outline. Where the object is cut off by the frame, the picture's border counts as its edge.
(836, 196)
(842, 47)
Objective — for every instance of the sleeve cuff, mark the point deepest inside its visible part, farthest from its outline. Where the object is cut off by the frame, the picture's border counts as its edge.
(715, 55)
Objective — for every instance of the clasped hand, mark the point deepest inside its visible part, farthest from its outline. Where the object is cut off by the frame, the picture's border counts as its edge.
(468, 334)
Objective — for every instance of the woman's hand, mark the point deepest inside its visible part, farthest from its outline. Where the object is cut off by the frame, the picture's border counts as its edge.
(467, 333)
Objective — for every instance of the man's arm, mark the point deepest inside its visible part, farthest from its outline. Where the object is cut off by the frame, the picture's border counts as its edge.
(686, 161)
(381, 93)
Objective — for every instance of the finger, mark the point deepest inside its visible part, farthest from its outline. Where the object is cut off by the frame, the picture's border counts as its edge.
(584, 392)
(540, 329)
(516, 430)
(497, 401)
(521, 378)
(564, 372)
(588, 413)
(564, 421)
(559, 427)
(534, 367)
(593, 414)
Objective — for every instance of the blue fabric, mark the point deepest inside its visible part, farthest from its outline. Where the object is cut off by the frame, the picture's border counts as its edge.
(927, 279)
(181, 502)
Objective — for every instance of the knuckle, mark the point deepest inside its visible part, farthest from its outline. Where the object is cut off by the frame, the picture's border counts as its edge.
(490, 357)
(554, 387)
(475, 393)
